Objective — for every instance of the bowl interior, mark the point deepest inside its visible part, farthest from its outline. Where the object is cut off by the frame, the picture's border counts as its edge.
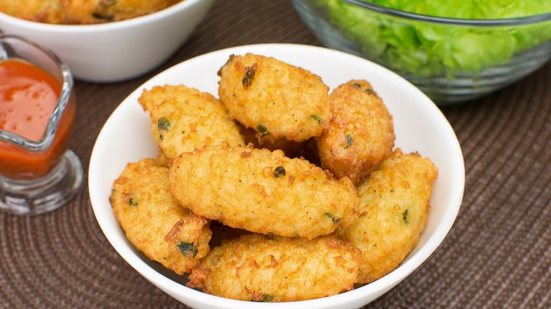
(419, 126)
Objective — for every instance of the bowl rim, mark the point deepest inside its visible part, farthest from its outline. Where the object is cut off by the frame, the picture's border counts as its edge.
(532, 19)
(108, 26)
(377, 287)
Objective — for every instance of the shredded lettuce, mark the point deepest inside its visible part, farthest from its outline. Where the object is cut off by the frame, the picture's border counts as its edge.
(429, 49)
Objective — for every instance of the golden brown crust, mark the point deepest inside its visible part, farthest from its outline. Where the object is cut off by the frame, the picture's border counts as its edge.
(394, 205)
(360, 134)
(48, 11)
(184, 119)
(82, 11)
(154, 222)
(262, 191)
(274, 98)
(258, 268)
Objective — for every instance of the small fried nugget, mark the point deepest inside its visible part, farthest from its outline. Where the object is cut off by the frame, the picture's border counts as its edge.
(262, 191)
(184, 119)
(360, 134)
(394, 208)
(258, 268)
(274, 98)
(154, 222)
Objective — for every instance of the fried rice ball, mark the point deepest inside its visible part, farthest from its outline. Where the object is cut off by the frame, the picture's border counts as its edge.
(394, 205)
(360, 134)
(154, 222)
(262, 191)
(274, 98)
(184, 119)
(258, 268)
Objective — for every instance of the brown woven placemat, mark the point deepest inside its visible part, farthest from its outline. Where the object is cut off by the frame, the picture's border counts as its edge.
(497, 255)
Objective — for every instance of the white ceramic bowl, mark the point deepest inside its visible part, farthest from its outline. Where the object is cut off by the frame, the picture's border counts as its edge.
(119, 50)
(419, 126)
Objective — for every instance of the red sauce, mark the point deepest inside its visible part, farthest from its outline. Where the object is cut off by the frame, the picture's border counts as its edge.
(28, 96)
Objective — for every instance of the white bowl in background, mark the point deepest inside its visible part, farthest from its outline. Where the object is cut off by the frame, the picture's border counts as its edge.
(115, 51)
(419, 126)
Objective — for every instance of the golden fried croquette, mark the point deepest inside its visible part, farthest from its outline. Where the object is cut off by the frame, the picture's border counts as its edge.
(274, 98)
(184, 119)
(262, 191)
(154, 222)
(360, 134)
(81, 11)
(393, 212)
(47, 11)
(258, 268)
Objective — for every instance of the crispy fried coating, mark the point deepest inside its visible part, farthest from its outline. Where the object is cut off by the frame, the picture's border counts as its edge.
(274, 98)
(394, 208)
(163, 160)
(81, 11)
(154, 222)
(258, 268)
(99, 11)
(360, 134)
(48, 11)
(262, 191)
(184, 119)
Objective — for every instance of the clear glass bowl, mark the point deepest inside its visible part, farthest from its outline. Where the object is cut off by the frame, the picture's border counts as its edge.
(451, 60)
(37, 176)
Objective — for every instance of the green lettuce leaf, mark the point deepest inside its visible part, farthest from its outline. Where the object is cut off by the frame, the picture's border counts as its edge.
(429, 49)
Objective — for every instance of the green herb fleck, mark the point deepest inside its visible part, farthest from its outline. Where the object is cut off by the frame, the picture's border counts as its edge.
(161, 137)
(316, 118)
(348, 141)
(249, 76)
(333, 218)
(357, 85)
(405, 216)
(132, 202)
(163, 124)
(279, 171)
(262, 130)
(187, 248)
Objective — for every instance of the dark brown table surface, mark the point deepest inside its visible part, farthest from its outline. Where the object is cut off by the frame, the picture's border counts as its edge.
(497, 255)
